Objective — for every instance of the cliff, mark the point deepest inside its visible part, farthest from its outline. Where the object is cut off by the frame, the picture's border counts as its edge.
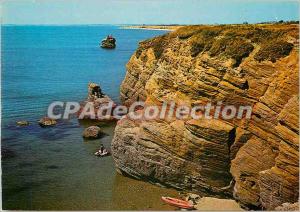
(255, 160)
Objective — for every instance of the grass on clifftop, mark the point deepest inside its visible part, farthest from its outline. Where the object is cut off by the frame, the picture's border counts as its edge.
(273, 50)
(230, 41)
(232, 47)
(157, 43)
(203, 41)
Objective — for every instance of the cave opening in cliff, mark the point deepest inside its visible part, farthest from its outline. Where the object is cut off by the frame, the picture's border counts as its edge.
(245, 85)
(231, 137)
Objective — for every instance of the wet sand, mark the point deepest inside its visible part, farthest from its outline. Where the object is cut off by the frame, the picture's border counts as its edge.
(215, 204)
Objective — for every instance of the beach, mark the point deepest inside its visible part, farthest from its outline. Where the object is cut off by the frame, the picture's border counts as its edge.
(154, 27)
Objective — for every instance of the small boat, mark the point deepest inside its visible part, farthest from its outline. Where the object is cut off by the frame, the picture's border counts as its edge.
(178, 202)
(105, 153)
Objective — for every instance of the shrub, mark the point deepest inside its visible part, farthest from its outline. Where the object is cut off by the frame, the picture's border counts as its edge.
(197, 48)
(203, 40)
(158, 44)
(218, 46)
(139, 50)
(232, 47)
(238, 49)
(211, 33)
(231, 41)
(257, 35)
(186, 31)
(273, 50)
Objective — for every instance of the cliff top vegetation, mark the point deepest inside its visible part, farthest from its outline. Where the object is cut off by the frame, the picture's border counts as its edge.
(231, 41)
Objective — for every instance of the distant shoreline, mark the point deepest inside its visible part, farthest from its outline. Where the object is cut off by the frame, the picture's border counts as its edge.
(153, 27)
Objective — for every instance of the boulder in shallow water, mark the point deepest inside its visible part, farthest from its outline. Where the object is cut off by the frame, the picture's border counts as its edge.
(92, 132)
(22, 123)
(47, 122)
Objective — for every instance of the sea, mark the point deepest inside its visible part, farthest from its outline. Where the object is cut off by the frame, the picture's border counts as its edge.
(55, 168)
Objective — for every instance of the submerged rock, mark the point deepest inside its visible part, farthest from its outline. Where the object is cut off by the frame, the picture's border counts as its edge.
(47, 122)
(92, 132)
(22, 123)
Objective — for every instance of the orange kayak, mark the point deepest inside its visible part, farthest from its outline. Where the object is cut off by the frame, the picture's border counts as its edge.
(177, 202)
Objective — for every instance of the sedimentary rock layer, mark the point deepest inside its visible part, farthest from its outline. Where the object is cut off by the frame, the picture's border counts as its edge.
(254, 160)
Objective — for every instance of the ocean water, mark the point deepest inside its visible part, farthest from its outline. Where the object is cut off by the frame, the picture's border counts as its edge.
(54, 168)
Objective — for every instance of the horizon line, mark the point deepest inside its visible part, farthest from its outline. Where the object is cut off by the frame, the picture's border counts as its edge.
(94, 24)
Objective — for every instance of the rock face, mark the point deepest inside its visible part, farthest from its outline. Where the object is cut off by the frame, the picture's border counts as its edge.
(288, 207)
(92, 132)
(254, 160)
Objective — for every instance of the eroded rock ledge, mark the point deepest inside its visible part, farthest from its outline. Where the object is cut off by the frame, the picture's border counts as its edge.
(256, 160)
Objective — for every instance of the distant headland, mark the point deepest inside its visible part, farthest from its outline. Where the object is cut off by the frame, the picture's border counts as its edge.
(154, 27)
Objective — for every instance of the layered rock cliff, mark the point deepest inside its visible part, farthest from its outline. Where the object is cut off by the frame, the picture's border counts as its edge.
(253, 160)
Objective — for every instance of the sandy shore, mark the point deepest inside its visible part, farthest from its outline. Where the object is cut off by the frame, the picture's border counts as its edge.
(215, 204)
(154, 27)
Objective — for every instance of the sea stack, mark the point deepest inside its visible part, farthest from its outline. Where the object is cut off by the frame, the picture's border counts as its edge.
(99, 101)
(109, 42)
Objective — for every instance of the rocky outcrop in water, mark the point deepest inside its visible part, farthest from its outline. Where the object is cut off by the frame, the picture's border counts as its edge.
(92, 132)
(47, 122)
(256, 160)
(102, 105)
(22, 123)
(108, 43)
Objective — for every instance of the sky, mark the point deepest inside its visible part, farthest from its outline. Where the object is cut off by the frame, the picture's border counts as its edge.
(60, 12)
